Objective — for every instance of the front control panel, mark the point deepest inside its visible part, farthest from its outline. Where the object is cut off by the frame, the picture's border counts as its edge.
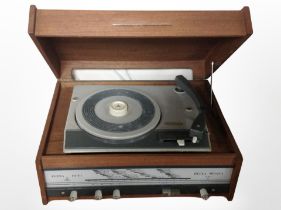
(116, 182)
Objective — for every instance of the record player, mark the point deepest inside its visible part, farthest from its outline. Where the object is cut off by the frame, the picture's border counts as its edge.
(107, 118)
(158, 136)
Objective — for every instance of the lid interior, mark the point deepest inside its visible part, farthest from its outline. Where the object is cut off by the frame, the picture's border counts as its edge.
(186, 40)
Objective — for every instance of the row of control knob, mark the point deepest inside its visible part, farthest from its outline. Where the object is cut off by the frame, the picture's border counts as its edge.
(98, 195)
(116, 194)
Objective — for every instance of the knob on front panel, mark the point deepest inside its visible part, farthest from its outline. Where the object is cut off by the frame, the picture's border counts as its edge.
(116, 194)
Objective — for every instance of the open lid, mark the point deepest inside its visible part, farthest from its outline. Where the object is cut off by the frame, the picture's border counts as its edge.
(70, 39)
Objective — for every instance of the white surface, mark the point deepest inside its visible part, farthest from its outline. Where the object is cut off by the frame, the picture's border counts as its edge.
(247, 87)
(130, 74)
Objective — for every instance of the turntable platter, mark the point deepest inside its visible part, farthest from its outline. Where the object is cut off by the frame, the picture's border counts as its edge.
(118, 114)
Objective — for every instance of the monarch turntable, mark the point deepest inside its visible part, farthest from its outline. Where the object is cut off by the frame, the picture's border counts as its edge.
(136, 119)
(158, 136)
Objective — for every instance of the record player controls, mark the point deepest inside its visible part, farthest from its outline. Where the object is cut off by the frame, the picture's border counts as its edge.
(118, 108)
(194, 139)
(116, 194)
(73, 195)
(204, 193)
(98, 194)
(181, 142)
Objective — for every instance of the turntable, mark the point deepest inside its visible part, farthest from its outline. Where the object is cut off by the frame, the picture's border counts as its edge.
(160, 136)
(136, 119)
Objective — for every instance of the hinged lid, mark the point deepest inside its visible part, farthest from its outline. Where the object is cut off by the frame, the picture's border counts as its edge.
(137, 39)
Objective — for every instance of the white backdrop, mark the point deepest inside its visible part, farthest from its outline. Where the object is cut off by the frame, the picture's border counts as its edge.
(247, 87)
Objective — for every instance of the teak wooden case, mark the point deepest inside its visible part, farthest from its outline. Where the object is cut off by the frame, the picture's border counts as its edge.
(70, 39)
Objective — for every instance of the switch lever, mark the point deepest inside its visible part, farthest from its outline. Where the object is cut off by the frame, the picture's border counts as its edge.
(181, 142)
(116, 194)
(98, 194)
(73, 195)
(204, 194)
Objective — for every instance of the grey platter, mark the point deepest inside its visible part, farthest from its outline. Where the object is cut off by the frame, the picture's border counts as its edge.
(93, 114)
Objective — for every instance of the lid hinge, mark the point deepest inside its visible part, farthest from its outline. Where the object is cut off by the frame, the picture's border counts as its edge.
(211, 91)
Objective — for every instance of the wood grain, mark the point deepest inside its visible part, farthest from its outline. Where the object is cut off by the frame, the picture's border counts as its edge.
(83, 23)
(193, 38)
(137, 160)
(43, 143)
(43, 44)
(225, 48)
